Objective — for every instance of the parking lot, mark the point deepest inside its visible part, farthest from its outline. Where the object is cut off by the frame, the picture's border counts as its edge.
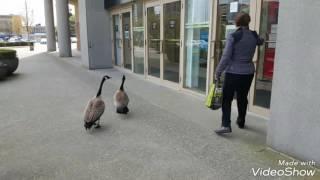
(24, 51)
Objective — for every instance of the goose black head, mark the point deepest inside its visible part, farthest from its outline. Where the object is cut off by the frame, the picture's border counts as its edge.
(106, 77)
(123, 77)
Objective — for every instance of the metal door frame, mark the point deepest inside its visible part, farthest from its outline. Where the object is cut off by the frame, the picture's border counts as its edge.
(120, 12)
(255, 13)
(254, 108)
(160, 79)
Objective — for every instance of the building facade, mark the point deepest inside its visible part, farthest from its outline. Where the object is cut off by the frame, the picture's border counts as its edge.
(38, 29)
(178, 43)
(6, 24)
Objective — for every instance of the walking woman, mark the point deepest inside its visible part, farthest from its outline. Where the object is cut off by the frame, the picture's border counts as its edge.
(236, 62)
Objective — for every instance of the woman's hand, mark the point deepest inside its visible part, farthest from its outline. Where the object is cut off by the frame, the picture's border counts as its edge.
(217, 77)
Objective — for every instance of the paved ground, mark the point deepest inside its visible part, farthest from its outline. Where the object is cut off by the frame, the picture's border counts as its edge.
(167, 134)
(24, 51)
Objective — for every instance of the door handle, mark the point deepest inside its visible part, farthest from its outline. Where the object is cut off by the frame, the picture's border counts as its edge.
(129, 43)
(161, 46)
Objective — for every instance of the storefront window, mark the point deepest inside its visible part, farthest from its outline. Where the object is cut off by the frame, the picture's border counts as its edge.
(138, 37)
(196, 44)
(264, 73)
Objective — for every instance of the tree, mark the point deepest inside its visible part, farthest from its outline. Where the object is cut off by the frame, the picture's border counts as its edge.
(72, 24)
(28, 19)
(16, 22)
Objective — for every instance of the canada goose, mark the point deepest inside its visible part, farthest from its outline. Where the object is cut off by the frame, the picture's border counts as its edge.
(95, 108)
(121, 99)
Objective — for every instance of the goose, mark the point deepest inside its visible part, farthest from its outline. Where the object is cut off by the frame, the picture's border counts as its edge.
(121, 99)
(95, 108)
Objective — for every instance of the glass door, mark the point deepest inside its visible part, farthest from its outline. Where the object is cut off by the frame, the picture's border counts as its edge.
(117, 41)
(227, 10)
(171, 41)
(264, 70)
(163, 40)
(153, 40)
(126, 34)
(138, 37)
(197, 16)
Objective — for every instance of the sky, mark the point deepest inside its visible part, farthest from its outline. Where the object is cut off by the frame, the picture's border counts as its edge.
(17, 7)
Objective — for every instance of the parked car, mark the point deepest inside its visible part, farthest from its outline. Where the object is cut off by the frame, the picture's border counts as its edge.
(73, 40)
(14, 39)
(43, 41)
(24, 40)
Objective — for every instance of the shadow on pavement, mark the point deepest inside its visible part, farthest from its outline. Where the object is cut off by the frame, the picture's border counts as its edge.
(13, 76)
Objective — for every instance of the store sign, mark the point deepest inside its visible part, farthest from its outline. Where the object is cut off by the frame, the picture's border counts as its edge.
(111, 3)
(234, 7)
(172, 23)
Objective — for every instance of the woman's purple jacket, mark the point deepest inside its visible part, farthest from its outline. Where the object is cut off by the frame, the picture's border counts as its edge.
(237, 56)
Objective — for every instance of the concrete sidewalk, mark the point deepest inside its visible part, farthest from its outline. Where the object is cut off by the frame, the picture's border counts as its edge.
(167, 134)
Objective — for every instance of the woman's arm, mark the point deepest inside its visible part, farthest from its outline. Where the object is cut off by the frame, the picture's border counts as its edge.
(260, 41)
(226, 56)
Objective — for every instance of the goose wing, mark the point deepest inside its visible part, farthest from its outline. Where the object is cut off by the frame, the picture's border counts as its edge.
(94, 110)
(120, 98)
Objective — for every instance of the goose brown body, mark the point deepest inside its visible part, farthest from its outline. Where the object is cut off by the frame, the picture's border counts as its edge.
(95, 108)
(121, 99)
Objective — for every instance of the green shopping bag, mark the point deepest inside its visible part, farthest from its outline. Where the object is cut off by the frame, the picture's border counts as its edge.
(214, 98)
(209, 99)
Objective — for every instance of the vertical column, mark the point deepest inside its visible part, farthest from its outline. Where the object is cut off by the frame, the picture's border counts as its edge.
(49, 19)
(76, 6)
(64, 42)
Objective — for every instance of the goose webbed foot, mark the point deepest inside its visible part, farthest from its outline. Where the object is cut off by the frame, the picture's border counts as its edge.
(97, 125)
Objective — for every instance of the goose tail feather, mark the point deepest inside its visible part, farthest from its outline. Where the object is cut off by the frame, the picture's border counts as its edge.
(123, 110)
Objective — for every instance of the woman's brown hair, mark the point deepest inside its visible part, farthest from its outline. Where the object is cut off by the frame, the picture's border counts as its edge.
(242, 19)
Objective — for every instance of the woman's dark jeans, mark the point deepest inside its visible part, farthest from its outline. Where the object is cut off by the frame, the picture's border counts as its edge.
(239, 83)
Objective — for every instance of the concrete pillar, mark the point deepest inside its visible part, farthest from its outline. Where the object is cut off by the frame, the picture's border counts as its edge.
(76, 7)
(95, 34)
(51, 37)
(64, 42)
(294, 126)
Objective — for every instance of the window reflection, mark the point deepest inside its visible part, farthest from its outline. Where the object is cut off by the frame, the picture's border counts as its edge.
(196, 44)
